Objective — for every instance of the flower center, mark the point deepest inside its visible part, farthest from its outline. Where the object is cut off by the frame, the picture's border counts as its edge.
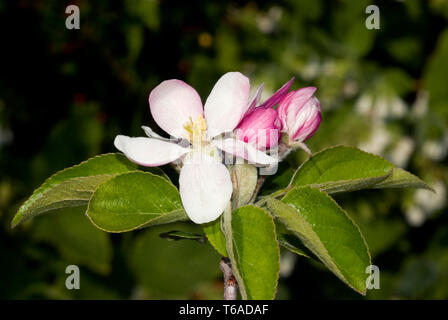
(195, 130)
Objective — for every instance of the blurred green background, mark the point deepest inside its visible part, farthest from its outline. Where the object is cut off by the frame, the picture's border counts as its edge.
(65, 94)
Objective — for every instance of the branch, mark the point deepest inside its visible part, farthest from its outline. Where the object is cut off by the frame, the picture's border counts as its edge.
(226, 226)
(230, 283)
(257, 188)
(236, 190)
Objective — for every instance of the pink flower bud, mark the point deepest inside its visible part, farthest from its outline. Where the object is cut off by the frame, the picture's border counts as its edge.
(300, 114)
(261, 128)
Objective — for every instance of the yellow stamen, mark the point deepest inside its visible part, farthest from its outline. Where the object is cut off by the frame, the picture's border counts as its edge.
(196, 129)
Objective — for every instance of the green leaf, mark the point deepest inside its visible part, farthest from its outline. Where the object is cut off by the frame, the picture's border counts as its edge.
(327, 231)
(342, 169)
(290, 242)
(399, 178)
(135, 200)
(76, 239)
(155, 170)
(73, 186)
(256, 252)
(176, 235)
(215, 236)
(246, 177)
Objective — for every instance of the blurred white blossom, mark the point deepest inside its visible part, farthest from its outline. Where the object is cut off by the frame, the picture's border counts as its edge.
(425, 203)
(381, 107)
(287, 263)
(364, 104)
(415, 216)
(378, 140)
(420, 106)
(431, 201)
(311, 70)
(436, 149)
(402, 152)
(267, 23)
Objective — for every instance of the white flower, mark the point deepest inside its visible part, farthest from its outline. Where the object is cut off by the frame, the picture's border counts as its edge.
(204, 183)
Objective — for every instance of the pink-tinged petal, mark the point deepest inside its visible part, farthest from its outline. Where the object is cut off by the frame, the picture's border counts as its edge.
(293, 109)
(278, 96)
(298, 99)
(149, 152)
(150, 133)
(244, 150)
(227, 103)
(173, 103)
(311, 123)
(255, 99)
(260, 128)
(205, 188)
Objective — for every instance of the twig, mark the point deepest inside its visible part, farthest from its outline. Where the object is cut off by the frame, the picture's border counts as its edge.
(230, 283)
(227, 230)
(257, 188)
(236, 190)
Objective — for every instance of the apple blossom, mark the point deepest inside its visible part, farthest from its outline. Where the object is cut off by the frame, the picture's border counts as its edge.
(261, 128)
(300, 114)
(261, 125)
(204, 182)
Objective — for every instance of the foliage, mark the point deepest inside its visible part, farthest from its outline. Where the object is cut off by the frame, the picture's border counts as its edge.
(381, 90)
(120, 201)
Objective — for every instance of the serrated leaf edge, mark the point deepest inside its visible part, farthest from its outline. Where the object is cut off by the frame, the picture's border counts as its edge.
(353, 147)
(350, 219)
(17, 217)
(212, 243)
(277, 245)
(149, 223)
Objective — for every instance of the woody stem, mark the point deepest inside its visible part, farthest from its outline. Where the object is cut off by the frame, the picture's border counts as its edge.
(230, 283)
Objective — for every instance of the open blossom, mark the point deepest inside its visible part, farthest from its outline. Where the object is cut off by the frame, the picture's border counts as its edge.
(261, 124)
(300, 114)
(204, 182)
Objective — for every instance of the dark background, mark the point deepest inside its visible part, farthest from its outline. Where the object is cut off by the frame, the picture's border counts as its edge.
(65, 94)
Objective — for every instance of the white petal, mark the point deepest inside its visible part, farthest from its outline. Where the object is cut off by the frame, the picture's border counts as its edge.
(150, 133)
(205, 189)
(149, 152)
(172, 104)
(227, 103)
(244, 150)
